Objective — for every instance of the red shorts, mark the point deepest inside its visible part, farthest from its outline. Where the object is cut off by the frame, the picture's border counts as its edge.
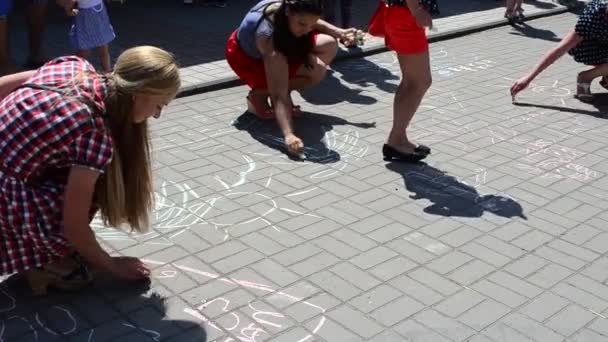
(251, 70)
(399, 28)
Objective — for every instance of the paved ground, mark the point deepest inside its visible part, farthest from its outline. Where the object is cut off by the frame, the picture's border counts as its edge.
(203, 31)
(499, 238)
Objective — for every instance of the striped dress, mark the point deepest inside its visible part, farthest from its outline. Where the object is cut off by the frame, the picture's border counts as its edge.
(91, 27)
(43, 133)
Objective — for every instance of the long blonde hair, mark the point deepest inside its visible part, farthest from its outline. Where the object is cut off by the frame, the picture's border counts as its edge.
(125, 192)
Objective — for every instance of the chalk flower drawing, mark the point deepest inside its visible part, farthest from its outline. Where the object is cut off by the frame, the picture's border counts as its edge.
(170, 218)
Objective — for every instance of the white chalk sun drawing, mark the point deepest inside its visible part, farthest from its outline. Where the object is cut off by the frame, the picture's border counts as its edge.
(224, 210)
(554, 91)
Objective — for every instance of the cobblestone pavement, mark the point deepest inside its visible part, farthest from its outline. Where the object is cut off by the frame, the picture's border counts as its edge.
(500, 237)
(198, 34)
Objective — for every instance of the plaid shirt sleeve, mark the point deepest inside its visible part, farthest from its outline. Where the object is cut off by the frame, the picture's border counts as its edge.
(92, 150)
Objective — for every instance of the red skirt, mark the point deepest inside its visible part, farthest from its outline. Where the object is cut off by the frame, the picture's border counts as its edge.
(399, 28)
(251, 70)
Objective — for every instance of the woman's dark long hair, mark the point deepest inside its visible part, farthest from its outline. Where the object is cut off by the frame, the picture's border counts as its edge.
(296, 49)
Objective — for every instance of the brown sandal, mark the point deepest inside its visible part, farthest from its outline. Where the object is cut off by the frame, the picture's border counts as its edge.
(67, 274)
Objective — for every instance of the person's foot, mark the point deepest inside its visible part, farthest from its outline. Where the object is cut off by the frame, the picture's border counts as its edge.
(68, 274)
(405, 153)
(583, 88)
(258, 105)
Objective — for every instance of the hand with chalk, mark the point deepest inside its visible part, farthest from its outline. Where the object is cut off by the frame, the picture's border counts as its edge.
(519, 85)
(295, 146)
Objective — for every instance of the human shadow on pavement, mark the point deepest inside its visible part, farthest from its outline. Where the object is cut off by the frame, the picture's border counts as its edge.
(365, 73)
(525, 30)
(104, 311)
(332, 91)
(310, 127)
(451, 197)
(599, 101)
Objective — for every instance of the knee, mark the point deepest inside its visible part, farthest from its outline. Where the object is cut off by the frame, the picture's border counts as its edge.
(418, 85)
(318, 73)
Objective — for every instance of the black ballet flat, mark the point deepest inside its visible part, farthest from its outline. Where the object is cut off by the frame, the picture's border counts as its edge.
(391, 153)
(423, 149)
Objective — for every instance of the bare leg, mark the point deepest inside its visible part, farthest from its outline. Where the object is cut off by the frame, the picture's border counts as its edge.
(104, 55)
(510, 7)
(588, 76)
(416, 81)
(36, 22)
(325, 51)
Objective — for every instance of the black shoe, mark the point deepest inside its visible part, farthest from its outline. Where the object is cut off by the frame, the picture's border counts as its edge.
(391, 153)
(423, 149)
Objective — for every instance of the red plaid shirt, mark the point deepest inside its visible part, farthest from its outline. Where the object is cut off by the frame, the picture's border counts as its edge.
(51, 123)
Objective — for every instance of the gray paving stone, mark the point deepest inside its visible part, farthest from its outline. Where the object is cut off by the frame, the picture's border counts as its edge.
(460, 236)
(563, 259)
(486, 254)
(314, 264)
(336, 247)
(396, 311)
(416, 290)
(355, 276)
(500, 247)
(332, 331)
(449, 262)
(570, 320)
(503, 333)
(599, 325)
(596, 270)
(373, 257)
(598, 243)
(471, 272)
(375, 298)
(499, 293)
(414, 331)
(275, 272)
(568, 248)
(444, 325)
(580, 297)
(435, 281)
(532, 329)
(545, 306)
(484, 314)
(515, 284)
(589, 285)
(588, 335)
(460, 302)
(532, 240)
(237, 261)
(392, 268)
(356, 320)
(335, 285)
(549, 276)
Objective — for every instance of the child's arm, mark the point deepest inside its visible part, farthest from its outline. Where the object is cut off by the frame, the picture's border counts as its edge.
(570, 41)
